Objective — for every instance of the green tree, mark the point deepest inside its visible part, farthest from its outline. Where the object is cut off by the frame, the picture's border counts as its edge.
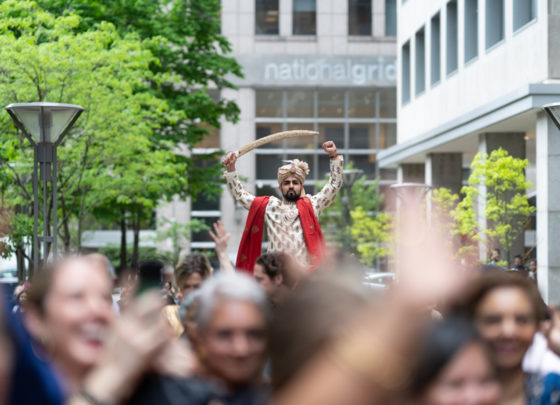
(371, 233)
(192, 65)
(45, 58)
(506, 206)
(179, 234)
(369, 229)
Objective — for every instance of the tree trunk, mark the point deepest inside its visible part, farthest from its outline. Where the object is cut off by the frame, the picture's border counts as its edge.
(123, 241)
(65, 225)
(136, 241)
(20, 259)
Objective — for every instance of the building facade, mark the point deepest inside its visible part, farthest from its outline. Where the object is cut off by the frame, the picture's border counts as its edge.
(473, 76)
(328, 66)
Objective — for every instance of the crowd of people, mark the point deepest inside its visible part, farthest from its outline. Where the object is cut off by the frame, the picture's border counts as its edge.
(285, 331)
(283, 336)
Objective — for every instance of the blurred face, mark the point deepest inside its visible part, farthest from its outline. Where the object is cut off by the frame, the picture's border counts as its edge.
(269, 286)
(233, 344)
(495, 255)
(291, 188)
(190, 284)
(506, 319)
(468, 379)
(77, 312)
(533, 266)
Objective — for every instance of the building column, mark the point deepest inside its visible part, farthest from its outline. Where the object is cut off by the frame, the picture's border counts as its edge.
(548, 208)
(444, 170)
(514, 144)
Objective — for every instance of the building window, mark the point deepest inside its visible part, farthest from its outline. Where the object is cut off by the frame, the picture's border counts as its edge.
(304, 17)
(494, 22)
(452, 53)
(359, 121)
(266, 17)
(405, 79)
(471, 29)
(420, 62)
(524, 11)
(359, 17)
(391, 18)
(435, 54)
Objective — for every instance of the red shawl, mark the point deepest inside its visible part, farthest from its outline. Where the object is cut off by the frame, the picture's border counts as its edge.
(251, 241)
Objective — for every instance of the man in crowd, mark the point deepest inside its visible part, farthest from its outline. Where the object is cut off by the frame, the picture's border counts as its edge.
(494, 257)
(191, 271)
(291, 221)
(273, 275)
(518, 265)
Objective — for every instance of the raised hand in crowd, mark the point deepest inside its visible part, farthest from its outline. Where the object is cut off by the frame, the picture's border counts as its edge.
(221, 239)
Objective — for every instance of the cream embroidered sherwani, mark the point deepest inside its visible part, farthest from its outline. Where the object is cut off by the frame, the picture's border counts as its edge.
(282, 217)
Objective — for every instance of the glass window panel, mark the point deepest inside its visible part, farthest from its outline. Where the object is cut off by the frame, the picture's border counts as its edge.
(332, 132)
(471, 29)
(435, 57)
(268, 103)
(523, 12)
(266, 129)
(388, 103)
(387, 135)
(452, 37)
(300, 104)
(391, 18)
(267, 166)
(494, 22)
(304, 142)
(204, 236)
(331, 104)
(304, 17)
(420, 61)
(388, 174)
(359, 17)
(362, 136)
(266, 17)
(405, 73)
(206, 203)
(324, 166)
(366, 163)
(361, 104)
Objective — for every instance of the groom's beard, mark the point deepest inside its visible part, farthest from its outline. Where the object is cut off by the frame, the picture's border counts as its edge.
(291, 195)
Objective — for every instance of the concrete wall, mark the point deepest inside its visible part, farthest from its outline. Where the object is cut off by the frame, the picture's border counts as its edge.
(519, 59)
(238, 24)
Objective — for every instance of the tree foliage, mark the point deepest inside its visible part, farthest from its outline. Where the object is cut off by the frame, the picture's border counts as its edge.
(369, 229)
(505, 207)
(143, 81)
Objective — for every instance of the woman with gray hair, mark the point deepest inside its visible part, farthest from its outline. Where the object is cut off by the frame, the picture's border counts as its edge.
(231, 339)
(230, 343)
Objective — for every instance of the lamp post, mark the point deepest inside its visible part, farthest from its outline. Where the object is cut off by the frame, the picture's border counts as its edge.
(350, 176)
(45, 125)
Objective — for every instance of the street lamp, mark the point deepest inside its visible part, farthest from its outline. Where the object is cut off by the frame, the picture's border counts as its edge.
(350, 176)
(553, 111)
(45, 125)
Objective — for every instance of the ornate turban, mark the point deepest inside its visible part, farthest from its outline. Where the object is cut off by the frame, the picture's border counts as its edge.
(295, 168)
